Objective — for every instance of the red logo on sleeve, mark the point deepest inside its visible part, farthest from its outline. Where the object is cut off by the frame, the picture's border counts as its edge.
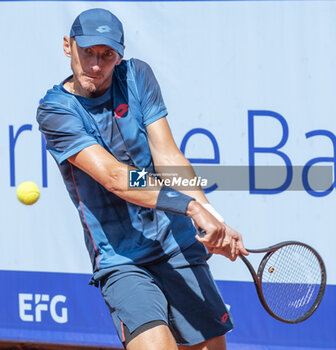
(121, 110)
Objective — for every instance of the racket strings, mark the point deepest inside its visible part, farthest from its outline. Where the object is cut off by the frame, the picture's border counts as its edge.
(291, 281)
(303, 289)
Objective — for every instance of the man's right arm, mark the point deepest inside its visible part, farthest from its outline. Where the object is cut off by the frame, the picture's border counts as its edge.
(113, 175)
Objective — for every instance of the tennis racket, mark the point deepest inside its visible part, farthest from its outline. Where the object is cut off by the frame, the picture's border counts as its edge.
(290, 281)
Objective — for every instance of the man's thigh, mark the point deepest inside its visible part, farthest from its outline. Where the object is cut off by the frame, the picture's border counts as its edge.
(156, 338)
(180, 292)
(217, 343)
(135, 301)
(196, 309)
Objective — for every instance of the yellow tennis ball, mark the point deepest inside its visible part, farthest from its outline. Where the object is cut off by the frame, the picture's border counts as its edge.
(28, 193)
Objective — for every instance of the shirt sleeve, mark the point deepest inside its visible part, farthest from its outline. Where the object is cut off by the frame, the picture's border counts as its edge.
(64, 131)
(152, 104)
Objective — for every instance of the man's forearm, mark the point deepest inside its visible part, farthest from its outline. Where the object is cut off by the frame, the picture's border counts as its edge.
(161, 197)
(181, 168)
(114, 176)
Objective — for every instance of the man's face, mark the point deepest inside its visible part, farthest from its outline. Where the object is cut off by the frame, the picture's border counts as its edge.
(92, 67)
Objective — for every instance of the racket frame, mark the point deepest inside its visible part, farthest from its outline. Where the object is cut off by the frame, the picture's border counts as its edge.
(258, 284)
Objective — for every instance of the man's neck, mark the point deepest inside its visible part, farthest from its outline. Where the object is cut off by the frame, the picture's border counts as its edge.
(71, 86)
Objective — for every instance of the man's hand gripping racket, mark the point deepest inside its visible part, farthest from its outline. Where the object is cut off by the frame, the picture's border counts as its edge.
(218, 237)
(230, 245)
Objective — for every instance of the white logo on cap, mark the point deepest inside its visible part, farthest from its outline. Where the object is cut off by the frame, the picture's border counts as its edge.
(103, 29)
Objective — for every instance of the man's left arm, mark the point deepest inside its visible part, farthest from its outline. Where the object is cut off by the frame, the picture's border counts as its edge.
(169, 161)
(168, 158)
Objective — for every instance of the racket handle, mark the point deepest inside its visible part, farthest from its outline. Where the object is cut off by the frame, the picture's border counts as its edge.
(201, 233)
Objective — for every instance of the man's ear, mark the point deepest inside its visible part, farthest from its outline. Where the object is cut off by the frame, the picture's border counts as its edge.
(119, 60)
(67, 46)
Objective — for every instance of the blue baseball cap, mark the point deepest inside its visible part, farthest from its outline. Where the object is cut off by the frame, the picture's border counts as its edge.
(98, 27)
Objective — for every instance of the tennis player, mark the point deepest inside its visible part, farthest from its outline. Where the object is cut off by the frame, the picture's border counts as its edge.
(109, 117)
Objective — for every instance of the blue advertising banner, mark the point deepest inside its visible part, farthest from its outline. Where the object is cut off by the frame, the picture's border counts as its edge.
(64, 309)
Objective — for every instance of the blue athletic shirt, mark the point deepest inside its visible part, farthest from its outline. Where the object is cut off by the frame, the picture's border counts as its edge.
(116, 232)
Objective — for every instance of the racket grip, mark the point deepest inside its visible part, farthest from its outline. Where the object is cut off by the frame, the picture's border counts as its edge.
(201, 233)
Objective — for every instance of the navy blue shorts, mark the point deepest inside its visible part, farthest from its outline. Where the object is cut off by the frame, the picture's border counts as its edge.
(180, 291)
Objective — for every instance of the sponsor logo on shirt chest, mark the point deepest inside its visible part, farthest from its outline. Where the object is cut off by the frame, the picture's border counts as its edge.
(121, 111)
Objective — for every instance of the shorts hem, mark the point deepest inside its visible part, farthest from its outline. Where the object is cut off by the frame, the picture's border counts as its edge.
(153, 319)
(195, 342)
(128, 336)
